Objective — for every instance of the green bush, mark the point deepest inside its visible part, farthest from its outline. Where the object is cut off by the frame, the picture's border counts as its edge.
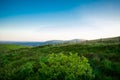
(65, 67)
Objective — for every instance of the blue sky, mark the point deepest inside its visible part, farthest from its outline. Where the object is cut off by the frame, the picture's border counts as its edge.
(40, 20)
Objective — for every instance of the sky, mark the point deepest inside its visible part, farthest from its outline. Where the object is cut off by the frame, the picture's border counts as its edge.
(41, 20)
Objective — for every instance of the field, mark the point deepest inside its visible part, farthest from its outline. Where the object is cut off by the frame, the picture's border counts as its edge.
(88, 60)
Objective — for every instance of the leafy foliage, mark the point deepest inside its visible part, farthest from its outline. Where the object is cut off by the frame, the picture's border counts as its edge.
(52, 67)
(60, 66)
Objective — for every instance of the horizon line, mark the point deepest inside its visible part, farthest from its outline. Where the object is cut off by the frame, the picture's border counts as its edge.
(57, 39)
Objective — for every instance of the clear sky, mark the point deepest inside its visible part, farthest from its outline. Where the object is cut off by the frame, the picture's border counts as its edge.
(40, 20)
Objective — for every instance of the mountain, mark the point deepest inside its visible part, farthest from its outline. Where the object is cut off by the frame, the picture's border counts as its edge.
(73, 41)
(41, 43)
(22, 43)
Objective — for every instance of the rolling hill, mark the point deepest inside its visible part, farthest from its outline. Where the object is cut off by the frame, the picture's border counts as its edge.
(41, 43)
(103, 56)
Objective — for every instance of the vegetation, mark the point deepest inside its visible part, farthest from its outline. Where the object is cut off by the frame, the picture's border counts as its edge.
(89, 60)
(60, 66)
(8, 47)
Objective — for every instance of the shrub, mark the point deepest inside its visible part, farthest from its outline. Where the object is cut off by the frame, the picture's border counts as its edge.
(65, 67)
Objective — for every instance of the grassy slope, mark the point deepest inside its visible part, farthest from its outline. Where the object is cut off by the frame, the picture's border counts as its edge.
(105, 41)
(103, 56)
(9, 47)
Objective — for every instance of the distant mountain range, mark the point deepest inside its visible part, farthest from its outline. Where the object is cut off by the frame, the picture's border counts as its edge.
(49, 42)
(41, 43)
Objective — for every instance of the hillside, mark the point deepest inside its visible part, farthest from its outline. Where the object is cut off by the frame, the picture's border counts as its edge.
(104, 41)
(25, 63)
(9, 47)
